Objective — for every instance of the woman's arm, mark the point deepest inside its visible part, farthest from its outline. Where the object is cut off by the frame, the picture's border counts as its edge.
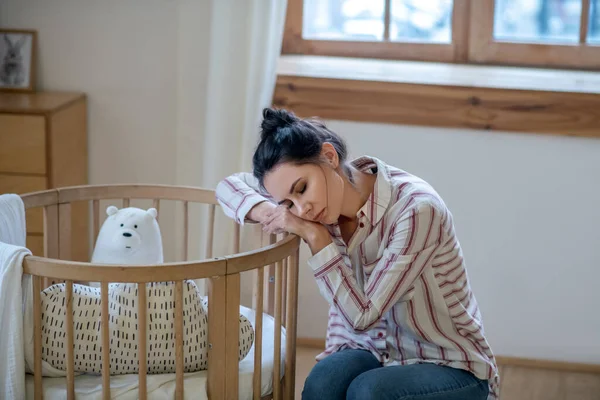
(414, 238)
(280, 219)
(242, 200)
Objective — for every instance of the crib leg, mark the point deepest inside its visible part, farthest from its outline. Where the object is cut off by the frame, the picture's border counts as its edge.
(232, 336)
(216, 340)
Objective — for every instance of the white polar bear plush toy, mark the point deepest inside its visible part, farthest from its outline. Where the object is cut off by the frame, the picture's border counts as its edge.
(130, 236)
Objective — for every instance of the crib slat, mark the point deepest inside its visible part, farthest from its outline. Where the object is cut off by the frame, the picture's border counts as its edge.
(96, 219)
(290, 324)
(236, 238)
(105, 343)
(186, 228)
(257, 306)
(142, 352)
(70, 344)
(64, 224)
(156, 204)
(216, 339)
(37, 338)
(269, 305)
(232, 336)
(179, 339)
(50, 236)
(51, 231)
(126, 202)
(210, 231)
(284, 292)
(277, 356)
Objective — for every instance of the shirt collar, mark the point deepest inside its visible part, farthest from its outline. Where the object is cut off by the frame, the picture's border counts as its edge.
(379, 200)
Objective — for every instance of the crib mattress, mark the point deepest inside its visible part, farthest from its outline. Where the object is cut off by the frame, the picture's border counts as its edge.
(125, 387)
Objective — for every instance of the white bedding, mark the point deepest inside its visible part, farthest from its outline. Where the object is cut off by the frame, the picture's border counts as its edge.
(125, 387)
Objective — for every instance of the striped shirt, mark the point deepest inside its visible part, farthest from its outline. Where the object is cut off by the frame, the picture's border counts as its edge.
(399, 288)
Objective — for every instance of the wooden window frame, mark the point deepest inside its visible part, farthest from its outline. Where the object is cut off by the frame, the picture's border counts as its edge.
(425, 84)
(483, 98)
(483, 48)
(294, 43)
(473, 42)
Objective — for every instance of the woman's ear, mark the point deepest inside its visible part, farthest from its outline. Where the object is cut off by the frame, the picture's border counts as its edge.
(330, 154)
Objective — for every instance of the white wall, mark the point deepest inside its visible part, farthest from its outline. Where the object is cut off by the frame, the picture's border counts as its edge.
(527, 213)
(142, 64)
(123, 55)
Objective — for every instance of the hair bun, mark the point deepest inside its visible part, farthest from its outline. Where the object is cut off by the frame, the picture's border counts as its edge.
(273, 120)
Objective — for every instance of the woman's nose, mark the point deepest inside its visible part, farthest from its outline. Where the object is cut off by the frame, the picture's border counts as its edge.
(303, 210)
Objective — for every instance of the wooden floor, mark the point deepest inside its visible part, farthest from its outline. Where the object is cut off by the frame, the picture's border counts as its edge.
(517, 383)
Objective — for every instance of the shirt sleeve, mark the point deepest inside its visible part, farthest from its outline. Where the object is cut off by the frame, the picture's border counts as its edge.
(238, 193)
(410, 248)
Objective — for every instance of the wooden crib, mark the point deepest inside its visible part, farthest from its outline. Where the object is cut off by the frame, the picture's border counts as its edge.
(275, 289)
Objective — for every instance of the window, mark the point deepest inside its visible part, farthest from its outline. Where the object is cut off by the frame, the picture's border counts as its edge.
(557, 33)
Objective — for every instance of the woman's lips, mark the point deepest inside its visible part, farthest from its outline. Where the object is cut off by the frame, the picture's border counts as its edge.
(320, 215)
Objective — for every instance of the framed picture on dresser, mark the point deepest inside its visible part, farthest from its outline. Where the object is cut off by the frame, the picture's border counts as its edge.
(17, 60)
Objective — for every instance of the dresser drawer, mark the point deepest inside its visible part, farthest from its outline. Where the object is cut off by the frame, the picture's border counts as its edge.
(22, 144)
(20, 184)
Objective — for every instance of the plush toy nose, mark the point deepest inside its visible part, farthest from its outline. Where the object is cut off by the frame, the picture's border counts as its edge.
(127, 234)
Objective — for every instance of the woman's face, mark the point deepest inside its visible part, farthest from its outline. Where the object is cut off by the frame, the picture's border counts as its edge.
(311, 191)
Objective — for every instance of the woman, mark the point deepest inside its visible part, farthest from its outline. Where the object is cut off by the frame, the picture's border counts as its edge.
(384, 255)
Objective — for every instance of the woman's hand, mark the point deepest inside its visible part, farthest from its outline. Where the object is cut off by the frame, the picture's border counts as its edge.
(281, 219)
(259, 212)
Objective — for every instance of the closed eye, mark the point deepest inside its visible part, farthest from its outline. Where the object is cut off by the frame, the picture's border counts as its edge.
(301, 191)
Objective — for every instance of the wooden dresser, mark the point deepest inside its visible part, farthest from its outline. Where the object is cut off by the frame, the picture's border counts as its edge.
(43, 145)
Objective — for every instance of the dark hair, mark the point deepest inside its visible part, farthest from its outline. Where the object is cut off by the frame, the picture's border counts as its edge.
(287, 138)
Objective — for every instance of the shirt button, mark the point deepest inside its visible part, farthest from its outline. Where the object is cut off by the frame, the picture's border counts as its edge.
(362, 225)
(380, 334)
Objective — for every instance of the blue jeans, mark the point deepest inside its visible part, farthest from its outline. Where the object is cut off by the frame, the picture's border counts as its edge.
(357, 375)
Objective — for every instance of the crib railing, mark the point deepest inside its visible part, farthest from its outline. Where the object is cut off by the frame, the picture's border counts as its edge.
(275, 289)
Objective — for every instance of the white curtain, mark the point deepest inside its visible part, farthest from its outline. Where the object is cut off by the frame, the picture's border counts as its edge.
(245, 44)
(244, 47)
